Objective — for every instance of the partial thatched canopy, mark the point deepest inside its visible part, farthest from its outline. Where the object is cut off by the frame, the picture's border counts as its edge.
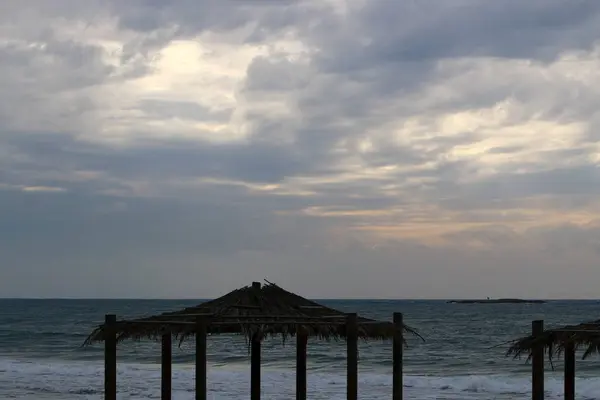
(266, 310)
(583, 336)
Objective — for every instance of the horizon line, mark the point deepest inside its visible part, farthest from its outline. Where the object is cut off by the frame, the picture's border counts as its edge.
(309, 298)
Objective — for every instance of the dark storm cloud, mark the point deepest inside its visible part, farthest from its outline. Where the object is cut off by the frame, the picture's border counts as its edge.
(425, 30)
(566, 186)
(163, 21)
(95, 225)
(259, 163)
(392, 48)
(83, 63)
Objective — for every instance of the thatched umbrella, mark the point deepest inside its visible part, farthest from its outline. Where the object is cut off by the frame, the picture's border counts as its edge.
(266, 310)
(554, 341)
(256, 312)
(563, 341)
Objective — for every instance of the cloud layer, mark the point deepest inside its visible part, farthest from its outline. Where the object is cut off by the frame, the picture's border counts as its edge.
(339, 148)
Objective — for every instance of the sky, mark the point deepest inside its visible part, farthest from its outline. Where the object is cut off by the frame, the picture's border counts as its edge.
(339, 148)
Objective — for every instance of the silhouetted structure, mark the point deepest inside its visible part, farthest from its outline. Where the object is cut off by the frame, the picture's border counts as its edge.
(254, 311)
(555, 343)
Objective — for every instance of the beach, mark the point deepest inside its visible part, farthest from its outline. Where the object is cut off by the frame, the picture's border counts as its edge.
(41, 355)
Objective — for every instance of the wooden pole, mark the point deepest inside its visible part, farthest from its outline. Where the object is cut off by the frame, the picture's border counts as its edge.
(537, 363)
(255, 342)
(352, 356)
(301, 343)
(110, 357)
(569, 371)
(255, 367)
(398, 352)
(201, 359)
(166, 367)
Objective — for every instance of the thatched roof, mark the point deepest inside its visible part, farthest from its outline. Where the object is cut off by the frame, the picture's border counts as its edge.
(267, 310)
(583, 336)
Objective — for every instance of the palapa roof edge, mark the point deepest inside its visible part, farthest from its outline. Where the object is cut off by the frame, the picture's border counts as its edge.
(266, 310)
(581, 336)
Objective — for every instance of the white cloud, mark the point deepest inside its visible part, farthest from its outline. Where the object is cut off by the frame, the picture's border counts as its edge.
(45, 189)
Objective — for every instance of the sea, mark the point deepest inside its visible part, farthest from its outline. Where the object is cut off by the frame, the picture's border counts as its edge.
(463, 357)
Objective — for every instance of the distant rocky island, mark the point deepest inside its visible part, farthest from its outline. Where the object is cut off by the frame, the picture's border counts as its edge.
(496, 301)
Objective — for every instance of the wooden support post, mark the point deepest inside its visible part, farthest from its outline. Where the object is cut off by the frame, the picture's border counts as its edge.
(537, 363)
(569, 371)
(110, 357)
(201, 330)
(166, 367)
(352, 356)
(398, 352)
(255, 367)
(301, 342)
(255, 342)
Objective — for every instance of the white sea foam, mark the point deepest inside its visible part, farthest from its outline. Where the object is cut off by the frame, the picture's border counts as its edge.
(80, 380)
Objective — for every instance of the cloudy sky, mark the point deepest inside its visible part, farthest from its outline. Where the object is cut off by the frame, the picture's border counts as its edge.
(340, 148)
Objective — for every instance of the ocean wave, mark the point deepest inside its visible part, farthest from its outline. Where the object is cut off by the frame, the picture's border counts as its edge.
(81, 380)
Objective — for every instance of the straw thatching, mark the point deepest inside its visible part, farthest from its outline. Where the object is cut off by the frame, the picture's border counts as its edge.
(266, 310)
(583, 336)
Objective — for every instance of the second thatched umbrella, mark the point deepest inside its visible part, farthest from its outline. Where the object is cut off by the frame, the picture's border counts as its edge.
(555, 342)
(584, 336)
